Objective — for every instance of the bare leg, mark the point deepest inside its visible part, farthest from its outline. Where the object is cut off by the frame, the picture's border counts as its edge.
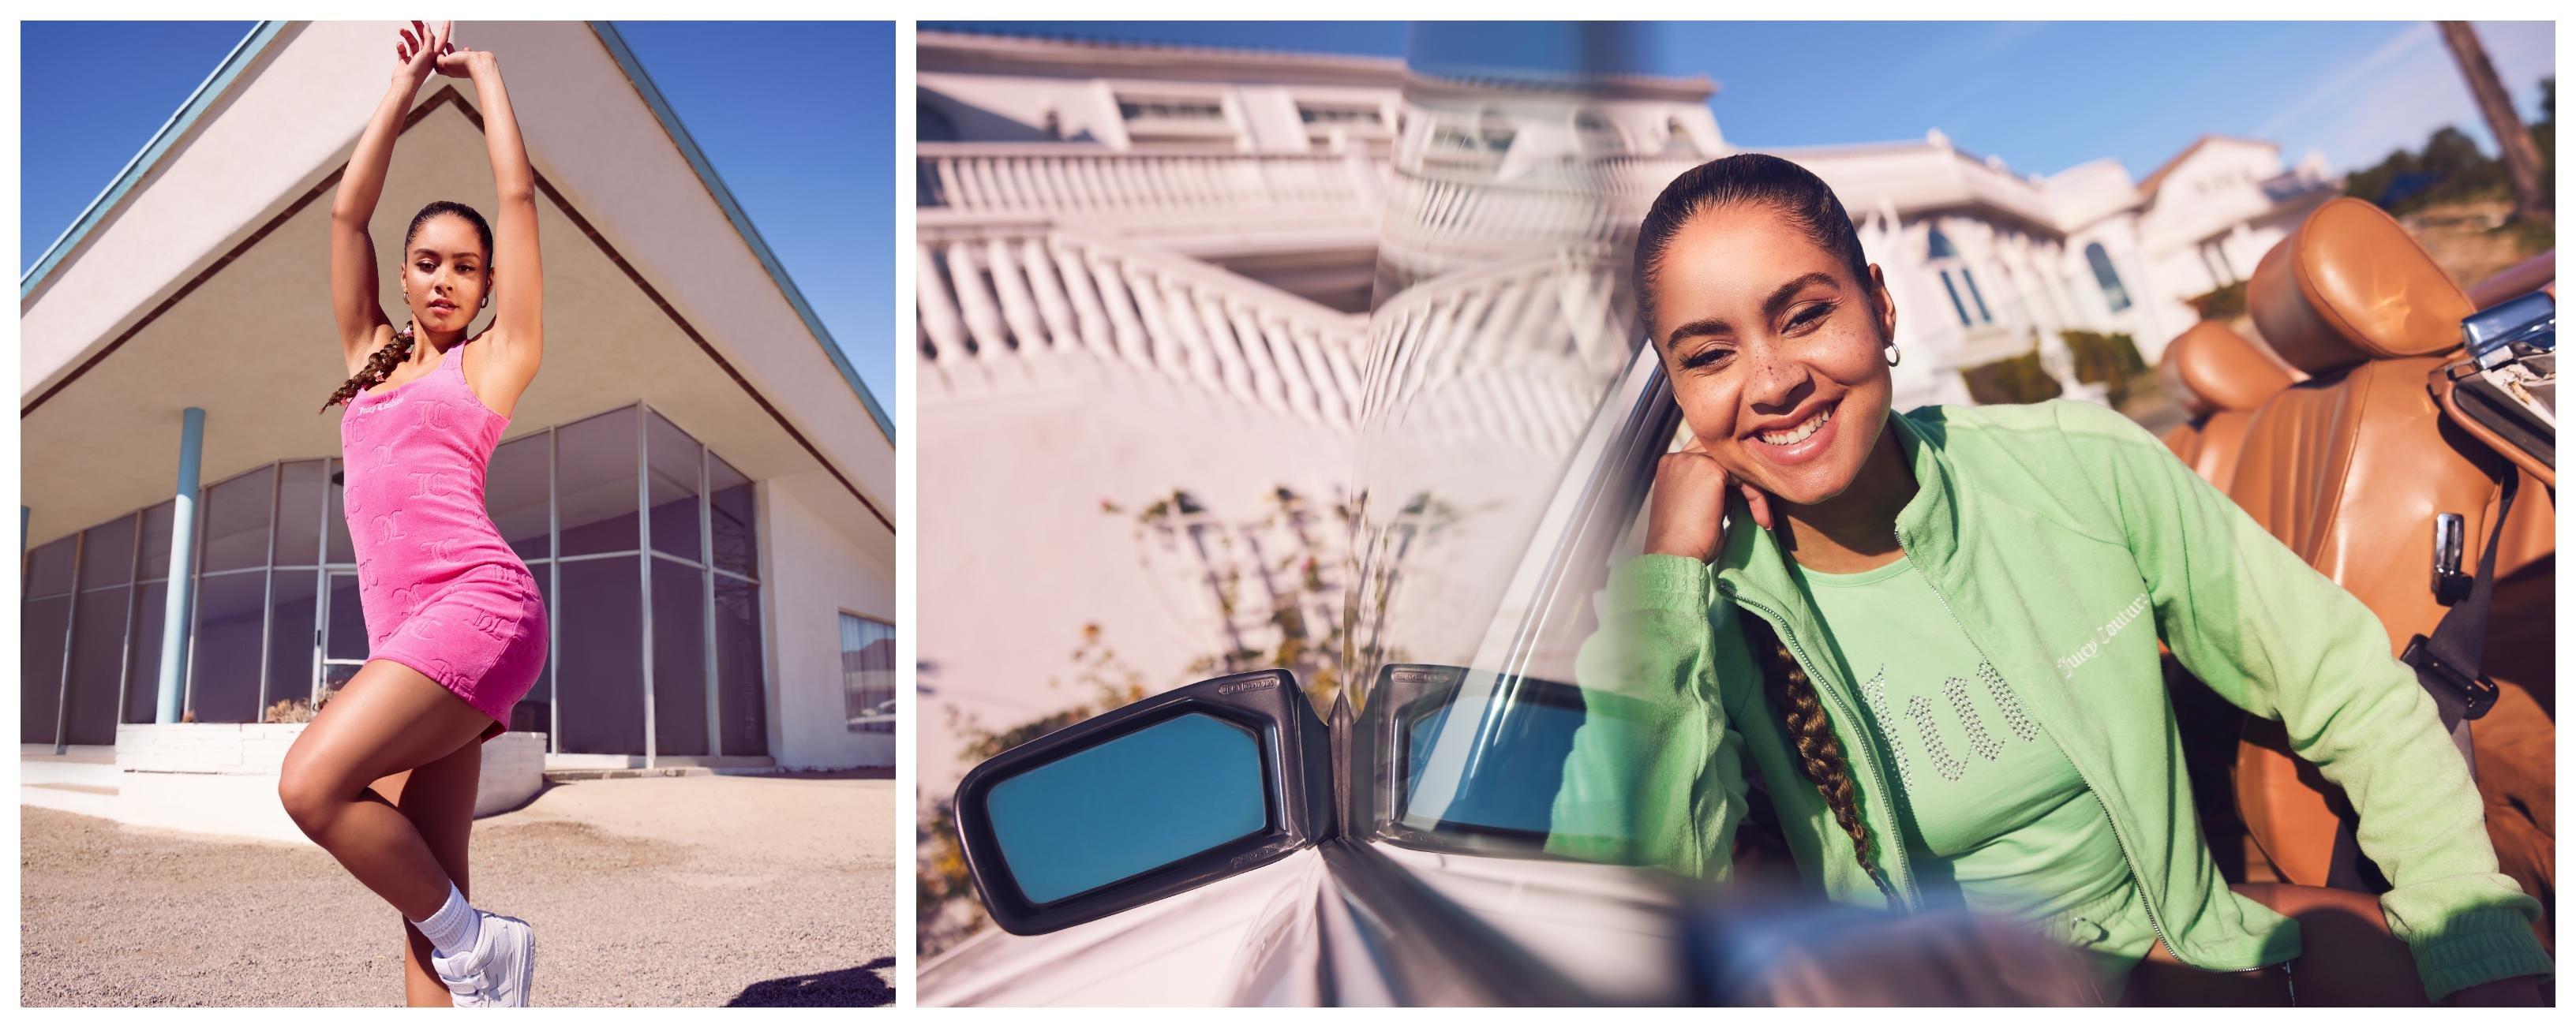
(389, 719)
(2346, 958)
(438, 799)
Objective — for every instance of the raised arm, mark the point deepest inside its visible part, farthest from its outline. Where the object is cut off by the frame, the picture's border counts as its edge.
(518, 275)
(353, 257)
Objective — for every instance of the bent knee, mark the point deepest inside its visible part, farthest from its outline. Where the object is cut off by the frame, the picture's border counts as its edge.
(310, 794)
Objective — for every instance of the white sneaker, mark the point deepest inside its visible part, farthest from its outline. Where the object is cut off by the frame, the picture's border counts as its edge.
(496, 972)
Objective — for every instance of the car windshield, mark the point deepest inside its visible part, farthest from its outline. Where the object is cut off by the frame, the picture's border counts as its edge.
(1506, 436)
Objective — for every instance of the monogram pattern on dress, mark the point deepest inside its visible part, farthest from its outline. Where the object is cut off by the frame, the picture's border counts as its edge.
(386, 526)
(446, 673)
(423, 628)
(441, 550)
(429, 485)
(493, 625)
(434, 415)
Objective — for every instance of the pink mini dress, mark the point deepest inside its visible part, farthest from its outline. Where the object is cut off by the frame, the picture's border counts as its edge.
(442, 592)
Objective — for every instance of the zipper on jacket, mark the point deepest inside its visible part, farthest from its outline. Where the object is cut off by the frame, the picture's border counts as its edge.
(1910, 899)
(2145, 894)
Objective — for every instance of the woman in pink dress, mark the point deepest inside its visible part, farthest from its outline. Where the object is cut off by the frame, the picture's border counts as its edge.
(384, 778)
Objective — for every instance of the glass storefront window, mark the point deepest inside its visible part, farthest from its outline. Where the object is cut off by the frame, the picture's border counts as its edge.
(301, 507)
(599, 669)
(679, 656)
(741, 696)
(235, 522)
(737, 544)
(672, 458)
(514, 493)
(277, 613)
(595, 483)
(867, 672)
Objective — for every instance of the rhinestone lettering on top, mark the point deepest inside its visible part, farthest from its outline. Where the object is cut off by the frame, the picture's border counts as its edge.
(1874, 693)
(1920, 712)
(2015, 718)
(1949, 767)
(1983, 745)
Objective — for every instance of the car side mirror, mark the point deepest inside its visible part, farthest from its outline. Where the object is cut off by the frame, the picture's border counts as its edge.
(1152, 799)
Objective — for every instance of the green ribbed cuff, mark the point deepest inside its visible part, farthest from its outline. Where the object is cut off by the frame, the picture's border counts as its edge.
(2477, 947)
(1658, 581)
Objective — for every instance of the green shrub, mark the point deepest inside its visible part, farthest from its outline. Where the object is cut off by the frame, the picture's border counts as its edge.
(2012, 380)
(2110, 359)
(2224, 303)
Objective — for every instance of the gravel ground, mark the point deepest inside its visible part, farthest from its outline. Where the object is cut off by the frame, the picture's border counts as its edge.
(701, 891)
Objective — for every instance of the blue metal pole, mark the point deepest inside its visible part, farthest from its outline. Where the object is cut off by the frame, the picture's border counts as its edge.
(183, 557)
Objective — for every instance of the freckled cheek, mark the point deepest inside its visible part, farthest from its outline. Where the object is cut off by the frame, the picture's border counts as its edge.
(1709, 408)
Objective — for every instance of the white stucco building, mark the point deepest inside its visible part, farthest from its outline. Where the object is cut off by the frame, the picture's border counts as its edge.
(1148, 268)
(698, 478)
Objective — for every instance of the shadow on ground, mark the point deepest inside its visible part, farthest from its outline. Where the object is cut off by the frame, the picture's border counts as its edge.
(859, 986)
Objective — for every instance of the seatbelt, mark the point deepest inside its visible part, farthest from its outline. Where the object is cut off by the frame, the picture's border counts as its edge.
(2449, 665)
(2448, 662)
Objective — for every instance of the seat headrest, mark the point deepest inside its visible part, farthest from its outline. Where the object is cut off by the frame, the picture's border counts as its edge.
(2211, 368)
(2351, 286)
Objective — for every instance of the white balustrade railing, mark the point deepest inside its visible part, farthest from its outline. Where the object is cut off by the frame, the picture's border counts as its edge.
(1021, 302)
(1517, 351)
(1153, 190)
(1435, 223)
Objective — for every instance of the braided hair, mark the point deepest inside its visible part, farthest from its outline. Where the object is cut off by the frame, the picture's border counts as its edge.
(1820, 755)
(381, 364)
(1807, 203)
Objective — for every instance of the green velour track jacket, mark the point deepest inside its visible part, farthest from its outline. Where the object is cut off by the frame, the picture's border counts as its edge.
(2066, 540)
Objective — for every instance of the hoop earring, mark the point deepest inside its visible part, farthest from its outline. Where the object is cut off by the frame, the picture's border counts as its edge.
(1892, 355)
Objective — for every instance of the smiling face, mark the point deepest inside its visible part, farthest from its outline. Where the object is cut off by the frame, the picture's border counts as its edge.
(445, 274)
(1775, 350)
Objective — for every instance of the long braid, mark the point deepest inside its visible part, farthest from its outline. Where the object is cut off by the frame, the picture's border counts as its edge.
(1820, 755)
(380, 366)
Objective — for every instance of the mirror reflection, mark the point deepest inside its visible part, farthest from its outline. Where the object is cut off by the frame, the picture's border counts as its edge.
(1129, 805)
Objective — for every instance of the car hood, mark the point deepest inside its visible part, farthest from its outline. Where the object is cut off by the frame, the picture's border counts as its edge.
(1282, 934)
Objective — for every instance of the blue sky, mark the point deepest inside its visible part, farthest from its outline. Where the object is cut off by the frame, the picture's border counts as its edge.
(2043, 96)
(798, 119)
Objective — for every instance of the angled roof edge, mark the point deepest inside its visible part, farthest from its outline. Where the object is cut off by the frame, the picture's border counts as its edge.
(608, 37)
(185, 118)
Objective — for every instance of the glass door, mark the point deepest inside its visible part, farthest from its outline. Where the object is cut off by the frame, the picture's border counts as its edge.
(342, 633)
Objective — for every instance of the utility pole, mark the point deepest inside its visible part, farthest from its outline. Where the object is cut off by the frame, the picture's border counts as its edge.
(2521, 158)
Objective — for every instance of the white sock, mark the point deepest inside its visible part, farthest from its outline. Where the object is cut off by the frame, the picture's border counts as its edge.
(455, 927)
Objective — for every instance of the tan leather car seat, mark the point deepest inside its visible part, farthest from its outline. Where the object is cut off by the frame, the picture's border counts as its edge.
(2222, 378)
(2351, 467)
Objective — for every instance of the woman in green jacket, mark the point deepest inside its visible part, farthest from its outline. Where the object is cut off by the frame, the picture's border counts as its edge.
(1936, 644)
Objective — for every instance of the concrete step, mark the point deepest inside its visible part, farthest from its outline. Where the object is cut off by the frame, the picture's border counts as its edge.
(85, 800)
(593, 774)
(57, 771)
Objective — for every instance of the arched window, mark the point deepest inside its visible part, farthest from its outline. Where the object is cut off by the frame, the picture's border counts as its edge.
(1970, 305)
(2107, 276)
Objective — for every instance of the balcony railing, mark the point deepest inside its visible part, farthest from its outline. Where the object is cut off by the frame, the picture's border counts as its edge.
(1153, 191)
(1010, 303)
